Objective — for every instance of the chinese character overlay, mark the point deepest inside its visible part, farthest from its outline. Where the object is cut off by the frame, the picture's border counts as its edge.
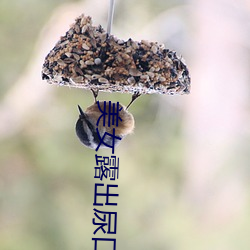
(107, 194)
(107, 167)
(111, 223)
(108, 142)
(108, 139)
(112, 113)
(104, 239)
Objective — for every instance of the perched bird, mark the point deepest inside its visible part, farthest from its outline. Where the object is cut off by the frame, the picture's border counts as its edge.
(94, 127)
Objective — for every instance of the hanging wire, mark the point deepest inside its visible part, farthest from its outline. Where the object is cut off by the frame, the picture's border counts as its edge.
(110, 16)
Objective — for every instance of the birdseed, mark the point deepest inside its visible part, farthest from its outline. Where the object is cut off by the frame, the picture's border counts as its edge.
(87, 57)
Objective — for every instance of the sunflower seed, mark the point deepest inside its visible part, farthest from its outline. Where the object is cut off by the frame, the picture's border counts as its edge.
(131, 80)
(78, 70)
(150, 74)
(145, 42)
(95, 76)
(77, 29)
(134, 72)
(77, 57)
(85, 46)
(135, 45)
(88, 62)
(69, 60)
(154, 49)
(77, 79)
(144, 78)
(68, 54)
(61, 62)
(152, 69)
(103, 80)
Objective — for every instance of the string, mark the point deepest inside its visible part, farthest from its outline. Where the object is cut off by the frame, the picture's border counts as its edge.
(110, 16)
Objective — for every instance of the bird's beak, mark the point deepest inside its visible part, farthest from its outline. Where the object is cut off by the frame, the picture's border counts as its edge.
(82, 114)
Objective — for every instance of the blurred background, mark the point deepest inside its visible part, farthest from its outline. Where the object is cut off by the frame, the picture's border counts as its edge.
(184, 173)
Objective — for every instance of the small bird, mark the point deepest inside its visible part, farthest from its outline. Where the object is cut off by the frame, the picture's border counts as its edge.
(94, 134)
